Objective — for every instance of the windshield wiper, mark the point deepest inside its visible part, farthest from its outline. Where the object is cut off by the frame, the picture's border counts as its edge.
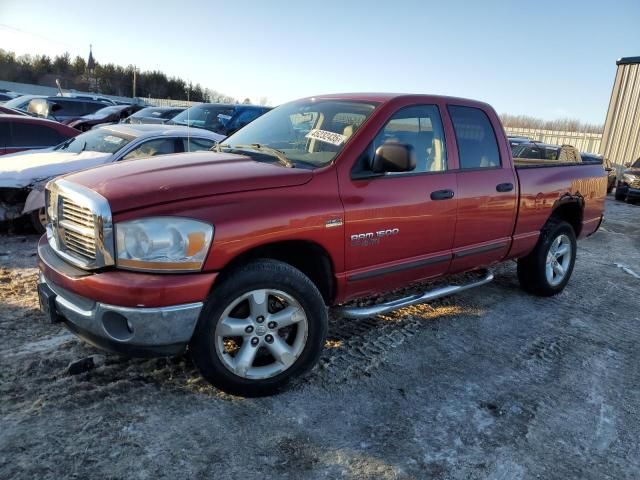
(282, 158)
(64, 145)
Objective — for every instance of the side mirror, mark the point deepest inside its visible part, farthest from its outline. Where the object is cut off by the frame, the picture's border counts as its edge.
(627, 164)
(394, 157)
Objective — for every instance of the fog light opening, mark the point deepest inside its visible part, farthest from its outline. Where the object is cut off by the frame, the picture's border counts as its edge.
(117, 326)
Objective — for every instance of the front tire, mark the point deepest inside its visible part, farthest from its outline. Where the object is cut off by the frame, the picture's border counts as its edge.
(262, 326)
(38, 219)
(547, 269)
(620, 195)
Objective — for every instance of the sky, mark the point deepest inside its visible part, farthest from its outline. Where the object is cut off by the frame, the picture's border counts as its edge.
(547, 59)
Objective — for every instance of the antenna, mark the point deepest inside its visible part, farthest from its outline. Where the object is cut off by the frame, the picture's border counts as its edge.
(188, 121)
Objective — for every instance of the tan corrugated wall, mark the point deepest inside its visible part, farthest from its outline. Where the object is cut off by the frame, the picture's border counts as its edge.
(621, 137)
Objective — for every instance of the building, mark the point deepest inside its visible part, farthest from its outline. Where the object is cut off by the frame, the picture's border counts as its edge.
(621, 137)
(91, 71)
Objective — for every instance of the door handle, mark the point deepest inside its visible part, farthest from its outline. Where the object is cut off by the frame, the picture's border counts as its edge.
(504, 187)
(442, 195)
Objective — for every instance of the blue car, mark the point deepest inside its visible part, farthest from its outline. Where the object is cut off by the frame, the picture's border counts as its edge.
(220, 118)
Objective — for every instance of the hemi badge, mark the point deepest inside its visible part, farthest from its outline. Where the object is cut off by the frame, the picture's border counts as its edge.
(334, 222)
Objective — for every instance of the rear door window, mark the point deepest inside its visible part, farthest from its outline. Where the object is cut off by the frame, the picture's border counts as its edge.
(29, 135)
(477, 143)
(4, 134)
(531, 152)
(551, 153)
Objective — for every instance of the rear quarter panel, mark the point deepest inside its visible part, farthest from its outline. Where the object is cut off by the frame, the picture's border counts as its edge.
(541, 191)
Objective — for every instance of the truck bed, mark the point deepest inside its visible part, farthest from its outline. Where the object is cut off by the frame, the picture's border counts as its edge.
(542, 187)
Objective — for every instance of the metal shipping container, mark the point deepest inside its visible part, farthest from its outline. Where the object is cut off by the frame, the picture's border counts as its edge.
(621, 137)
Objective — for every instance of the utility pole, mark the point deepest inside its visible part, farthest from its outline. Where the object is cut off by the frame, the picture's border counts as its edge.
(134, 81)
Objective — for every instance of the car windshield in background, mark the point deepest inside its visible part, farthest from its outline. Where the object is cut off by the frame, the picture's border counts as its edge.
(101, 140)
(636, 164)
(19, 103)
(307, 131)
(209, 117)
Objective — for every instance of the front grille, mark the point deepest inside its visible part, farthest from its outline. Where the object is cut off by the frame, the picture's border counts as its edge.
(635, 183)
(78, 229)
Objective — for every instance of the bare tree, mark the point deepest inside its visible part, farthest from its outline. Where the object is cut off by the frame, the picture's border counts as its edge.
(563, 124)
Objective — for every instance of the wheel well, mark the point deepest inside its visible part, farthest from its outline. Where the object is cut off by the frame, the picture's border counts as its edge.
(570, 212)
(308, 257)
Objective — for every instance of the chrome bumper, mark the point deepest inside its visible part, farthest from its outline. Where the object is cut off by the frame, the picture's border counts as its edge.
(133, 331)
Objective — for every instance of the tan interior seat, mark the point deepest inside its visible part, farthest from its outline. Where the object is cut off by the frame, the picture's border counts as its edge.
(437, 160)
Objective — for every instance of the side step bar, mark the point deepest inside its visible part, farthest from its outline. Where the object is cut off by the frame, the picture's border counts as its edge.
(381, 308)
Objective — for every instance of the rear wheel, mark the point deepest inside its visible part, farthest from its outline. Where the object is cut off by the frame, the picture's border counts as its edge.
(546, 270)
(262, 326)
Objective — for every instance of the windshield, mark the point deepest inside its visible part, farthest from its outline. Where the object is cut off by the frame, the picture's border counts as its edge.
(101, 140)
(204, 116)
(20, 102)
(307, 131)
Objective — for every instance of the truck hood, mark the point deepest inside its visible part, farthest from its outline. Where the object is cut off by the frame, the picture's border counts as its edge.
(22, 169)
(142, 183)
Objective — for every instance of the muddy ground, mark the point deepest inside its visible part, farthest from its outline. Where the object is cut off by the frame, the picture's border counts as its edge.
(493, 384)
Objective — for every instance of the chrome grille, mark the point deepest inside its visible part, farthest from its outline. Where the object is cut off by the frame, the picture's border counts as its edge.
(80, 229)
(635, 183)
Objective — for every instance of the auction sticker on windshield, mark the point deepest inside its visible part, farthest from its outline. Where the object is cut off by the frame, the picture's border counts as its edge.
(327, 137)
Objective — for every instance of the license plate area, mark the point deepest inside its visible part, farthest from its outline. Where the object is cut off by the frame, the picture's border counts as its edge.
(48, 303)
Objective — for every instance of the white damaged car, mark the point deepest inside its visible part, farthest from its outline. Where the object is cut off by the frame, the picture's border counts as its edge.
(24, 175)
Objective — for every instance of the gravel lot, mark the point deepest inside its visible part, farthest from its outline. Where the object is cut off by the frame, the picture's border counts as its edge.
(493, 383)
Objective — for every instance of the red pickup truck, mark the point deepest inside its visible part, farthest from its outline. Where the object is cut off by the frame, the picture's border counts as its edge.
(237, 254)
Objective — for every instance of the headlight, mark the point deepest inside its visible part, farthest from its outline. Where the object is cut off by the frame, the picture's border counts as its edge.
(629, 178)
(162, 244)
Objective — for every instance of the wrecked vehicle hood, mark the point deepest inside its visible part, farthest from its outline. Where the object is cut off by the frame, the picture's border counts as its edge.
(149, 181)
(21, 170)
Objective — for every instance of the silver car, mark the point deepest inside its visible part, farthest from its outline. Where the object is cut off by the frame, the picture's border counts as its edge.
(24, 175)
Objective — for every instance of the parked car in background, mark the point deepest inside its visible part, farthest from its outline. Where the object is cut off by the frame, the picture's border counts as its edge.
(23, 132)
(599, 159)
(237, 255)
(110, 114)
(12, 111)
(24, 175)
(628, 187)
(6, 95)
(63, 109)
(21, 102)
(220, 118)
(154, 115)
(86, 96)
(542, 153)
(517, 140)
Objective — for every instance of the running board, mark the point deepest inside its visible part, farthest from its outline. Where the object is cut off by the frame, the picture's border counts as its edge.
(379, 309)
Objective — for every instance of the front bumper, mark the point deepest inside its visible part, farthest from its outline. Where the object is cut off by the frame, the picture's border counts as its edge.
(136, 314)
(131, 331)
